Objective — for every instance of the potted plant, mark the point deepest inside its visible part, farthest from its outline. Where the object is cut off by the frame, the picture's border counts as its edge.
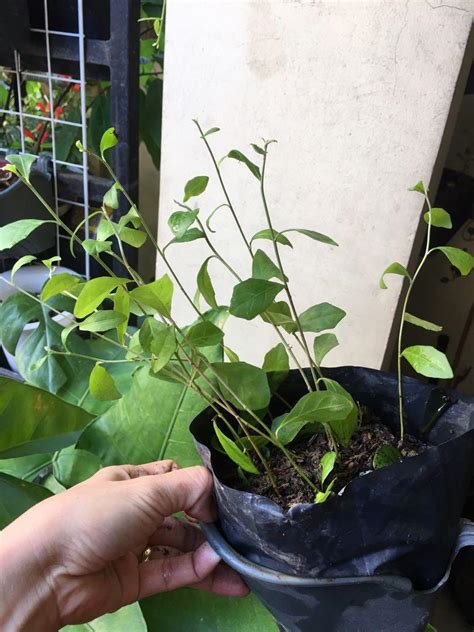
(336, 488)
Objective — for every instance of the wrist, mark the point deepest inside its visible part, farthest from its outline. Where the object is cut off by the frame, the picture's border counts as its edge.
(27, 601)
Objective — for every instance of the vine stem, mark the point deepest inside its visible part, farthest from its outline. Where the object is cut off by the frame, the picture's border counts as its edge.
(280, 265)
(402, 318)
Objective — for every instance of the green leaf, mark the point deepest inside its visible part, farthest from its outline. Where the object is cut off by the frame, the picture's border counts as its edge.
(279, 313)
(327, 463)
(190, 235)
(158, 295)
(264, 268)
(428, 361)
(111, 197)
(131, 217)
(28, 468)
(210, 131)
(22, 164)
(23, 261)
(205, 612)
(385, 454)
(94, 292)
(252, 297)
(34, 421)
(94, 247)
(420, 322)
(58, 283)
(312, 234)
(234, 452)
(205, 286)
(439, 218)
(122, 306)
(180, 221)
(322, 345)
(204, 334)
(104, 320)
(419, 187)
(266, 233)
(102, 385)
(160, 340)
(393, 268)
(247, 382)
(13, 233)
(195, 187)
(129, 618)
(109, 139)
(258, 149)
(238, 155)
(321, 497)
(50, 263)
(320, 317)
(323, 407)
(149, 423)
(231, 355)
(17, 496)
(72, 466)
(460, 259)
(277, 365)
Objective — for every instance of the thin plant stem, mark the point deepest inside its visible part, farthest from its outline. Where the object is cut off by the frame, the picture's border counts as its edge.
(280, 265)
(411, 283)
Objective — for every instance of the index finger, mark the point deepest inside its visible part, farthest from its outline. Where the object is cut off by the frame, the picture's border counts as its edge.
(188, 489)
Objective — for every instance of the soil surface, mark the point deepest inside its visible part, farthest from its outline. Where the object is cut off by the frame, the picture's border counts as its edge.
(351, 462)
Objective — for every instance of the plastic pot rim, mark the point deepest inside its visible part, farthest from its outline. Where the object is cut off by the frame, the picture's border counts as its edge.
(256, 572)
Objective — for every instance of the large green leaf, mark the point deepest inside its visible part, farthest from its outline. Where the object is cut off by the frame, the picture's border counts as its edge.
(428, 361)
(13, 233)
(150, 422)
(16, 496)
(20, 164)
(158, 295)
(320, 317)
(26, 467)
(324, 407)
(252, 297)
(127, 619)
(33, 421)
(189, 610)
(243, 381)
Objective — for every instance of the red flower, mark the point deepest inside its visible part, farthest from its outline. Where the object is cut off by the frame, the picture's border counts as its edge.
(76, 87)
(42, 107)
(58, 111)
(28, 134)
(44, 137)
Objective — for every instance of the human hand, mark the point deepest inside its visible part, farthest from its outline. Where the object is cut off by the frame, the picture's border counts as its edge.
(79, 554)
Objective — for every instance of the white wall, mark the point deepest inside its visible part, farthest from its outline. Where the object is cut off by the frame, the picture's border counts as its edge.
(357, 94)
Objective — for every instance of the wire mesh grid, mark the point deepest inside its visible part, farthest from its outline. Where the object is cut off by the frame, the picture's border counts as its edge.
(52, 117)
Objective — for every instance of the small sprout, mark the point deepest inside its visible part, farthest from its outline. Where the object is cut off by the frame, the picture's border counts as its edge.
(385, 454)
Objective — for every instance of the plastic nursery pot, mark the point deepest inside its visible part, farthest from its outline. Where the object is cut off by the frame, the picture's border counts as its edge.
(402, 520)
(18, 202)
(31, 279)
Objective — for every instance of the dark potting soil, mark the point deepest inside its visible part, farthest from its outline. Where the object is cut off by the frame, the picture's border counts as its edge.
(352, 461)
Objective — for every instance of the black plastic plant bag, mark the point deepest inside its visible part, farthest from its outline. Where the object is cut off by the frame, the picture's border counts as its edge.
(402, 519)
